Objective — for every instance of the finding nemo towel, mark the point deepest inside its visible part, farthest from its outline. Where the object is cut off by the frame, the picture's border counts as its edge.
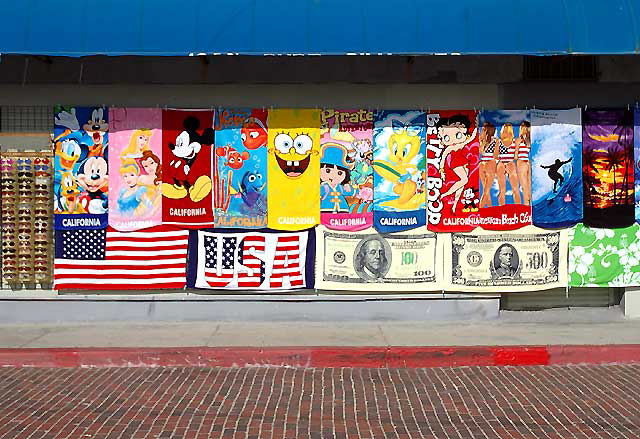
(399, 163)
(453, 188)
(505, 169)
(135, 186)
(293, 200)
(240, 171)
(346, 171)
(604, 257)
(556, 175)
(607, 168)
(81, 180)
(187, 163)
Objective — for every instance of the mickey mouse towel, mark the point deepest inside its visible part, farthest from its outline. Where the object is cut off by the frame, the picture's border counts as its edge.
(187, 163)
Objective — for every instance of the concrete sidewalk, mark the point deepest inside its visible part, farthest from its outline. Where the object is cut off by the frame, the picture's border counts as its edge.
(582, 326)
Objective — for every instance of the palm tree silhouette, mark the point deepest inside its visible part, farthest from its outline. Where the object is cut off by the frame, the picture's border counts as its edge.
(589, 162)
(615, 159)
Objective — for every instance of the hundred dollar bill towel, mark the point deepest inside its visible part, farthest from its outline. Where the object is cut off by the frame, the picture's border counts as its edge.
(367, 260)
(607, 168)
(399, 154)
(505, 169)
(81, 177)
(453, 187)
(604, 257)
(135, 185)
(240, 171)
(233, 259)
(523, 260)
(111, 260)
(293, 200)
(187, 164)
(346, 171)
(556, 177)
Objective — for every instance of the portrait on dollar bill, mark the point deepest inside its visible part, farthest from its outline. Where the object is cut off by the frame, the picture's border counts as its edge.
(370, 261)
(506, 263)
(524, 260)
(372, 258)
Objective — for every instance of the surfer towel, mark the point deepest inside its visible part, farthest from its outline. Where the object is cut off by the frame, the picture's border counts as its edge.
(607, 168)
(505, 169)
(240, 170)
(293, 199)
(346, 172)
(135, 186)
(399, 164)
(453, 188)
(556, 174)
(187, 160)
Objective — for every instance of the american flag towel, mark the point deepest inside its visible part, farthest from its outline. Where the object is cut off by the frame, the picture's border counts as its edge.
(106, 259)
(251, 260)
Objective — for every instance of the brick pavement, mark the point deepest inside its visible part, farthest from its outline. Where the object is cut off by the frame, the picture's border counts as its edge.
(553, 402)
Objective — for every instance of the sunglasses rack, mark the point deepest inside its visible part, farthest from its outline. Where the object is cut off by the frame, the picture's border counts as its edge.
(27, 229)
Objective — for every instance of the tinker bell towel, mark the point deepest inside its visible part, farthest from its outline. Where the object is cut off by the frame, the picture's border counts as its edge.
(556, 171)
(293, 199)
(399, 147)
(240, 170)
(346, 169)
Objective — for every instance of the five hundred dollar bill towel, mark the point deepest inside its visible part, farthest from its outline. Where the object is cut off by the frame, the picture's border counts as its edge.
(524, 260)
(371, 261)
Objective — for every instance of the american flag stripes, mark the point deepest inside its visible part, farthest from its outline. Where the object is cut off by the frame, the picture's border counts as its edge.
(250, 260)
(154, 258)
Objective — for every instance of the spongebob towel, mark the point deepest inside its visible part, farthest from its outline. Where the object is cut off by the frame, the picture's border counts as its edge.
(187, 159)
(399, 164)
(293, 200)
(135, 186)
(240, 168)
(346, 171)
(80, 136)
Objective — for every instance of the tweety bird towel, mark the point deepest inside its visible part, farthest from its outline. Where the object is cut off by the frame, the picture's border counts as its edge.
(399, 164)
(240, 170)
(135, 186)
(346, 169)
(293, 200)
(187, 163)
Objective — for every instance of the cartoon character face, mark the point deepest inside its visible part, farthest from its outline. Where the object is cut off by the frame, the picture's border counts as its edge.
(149, 165)
(142, 142)
(69, 153)
(332, 175)
(92, 175)
(68, 185)
(404, 144)
(184, 148)
(468, 194)
(235, 160)
(130, 178)
(252, 182)
(293, 152)
(97, 126)
(452, 135)
(253, 133)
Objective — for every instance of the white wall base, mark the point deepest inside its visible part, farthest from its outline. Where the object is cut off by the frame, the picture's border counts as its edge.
(631, 302)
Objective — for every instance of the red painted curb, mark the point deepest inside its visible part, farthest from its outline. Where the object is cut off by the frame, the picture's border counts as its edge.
(372, 357)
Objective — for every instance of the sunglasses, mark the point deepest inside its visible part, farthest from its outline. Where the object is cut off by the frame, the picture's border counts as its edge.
(39, 161)
(25, 174)
(6, 168)
(9, 250)
(9, 161)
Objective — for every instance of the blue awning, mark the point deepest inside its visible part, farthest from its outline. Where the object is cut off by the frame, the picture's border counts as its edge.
(327, 27)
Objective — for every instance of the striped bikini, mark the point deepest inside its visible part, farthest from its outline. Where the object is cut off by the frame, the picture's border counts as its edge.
(507, 153)
(489, 151)
(523, 151)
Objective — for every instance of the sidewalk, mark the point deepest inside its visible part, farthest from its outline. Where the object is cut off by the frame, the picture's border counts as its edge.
(588, 335)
